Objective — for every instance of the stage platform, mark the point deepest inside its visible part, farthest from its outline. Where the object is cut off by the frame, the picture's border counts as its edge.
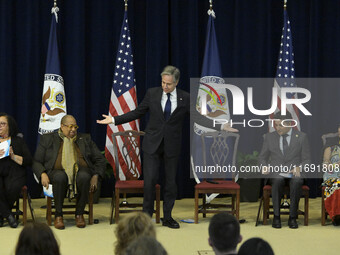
(190, 238)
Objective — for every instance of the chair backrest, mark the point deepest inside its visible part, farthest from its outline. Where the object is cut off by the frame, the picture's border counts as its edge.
(327, 136)
(126, 145)
(220, 148)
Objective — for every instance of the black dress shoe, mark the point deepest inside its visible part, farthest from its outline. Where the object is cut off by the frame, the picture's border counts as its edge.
(12, 221)
(1, 221)
(171, 223)
(292, 222)
(276, 222)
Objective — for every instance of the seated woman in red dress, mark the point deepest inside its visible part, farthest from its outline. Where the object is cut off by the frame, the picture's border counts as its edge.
(331, 158)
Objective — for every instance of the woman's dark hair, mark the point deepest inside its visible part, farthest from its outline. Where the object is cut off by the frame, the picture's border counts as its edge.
(255, 246)
(37, 239)
(12, 124)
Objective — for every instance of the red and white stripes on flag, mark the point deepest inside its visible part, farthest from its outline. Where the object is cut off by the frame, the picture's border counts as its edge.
(285, 72)
(123, 100)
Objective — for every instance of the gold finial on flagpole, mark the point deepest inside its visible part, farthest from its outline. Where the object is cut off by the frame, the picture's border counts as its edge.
(126, 5)
(211, 5)
(285, 4)
(55, 3)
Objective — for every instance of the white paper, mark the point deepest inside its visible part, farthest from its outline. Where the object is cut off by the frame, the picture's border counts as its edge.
(48, 192)
(5, 146)
(286, 175)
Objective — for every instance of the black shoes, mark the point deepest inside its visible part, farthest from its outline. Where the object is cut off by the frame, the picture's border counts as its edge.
(276, 222)
(292, 222)
(171, 223)
(1, 221)
(12, 221)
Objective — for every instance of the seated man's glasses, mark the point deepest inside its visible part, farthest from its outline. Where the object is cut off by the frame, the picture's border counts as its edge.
(75, 126)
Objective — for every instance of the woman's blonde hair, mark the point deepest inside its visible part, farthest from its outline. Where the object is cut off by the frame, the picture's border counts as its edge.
(130, 227)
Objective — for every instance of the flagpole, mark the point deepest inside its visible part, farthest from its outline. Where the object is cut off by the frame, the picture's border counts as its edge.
(55, 3)
(211, 5)
(124, 202)
(285, 4)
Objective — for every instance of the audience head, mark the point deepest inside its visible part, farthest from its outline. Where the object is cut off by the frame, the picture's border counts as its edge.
(224, 232)
(283, 123)
(130, 227)
(68, 126)
(37, 239)
(145, 245)
(255, 246)
(8, 126)
(170, 77)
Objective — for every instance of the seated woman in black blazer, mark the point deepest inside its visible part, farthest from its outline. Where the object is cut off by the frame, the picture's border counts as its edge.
(12, 168)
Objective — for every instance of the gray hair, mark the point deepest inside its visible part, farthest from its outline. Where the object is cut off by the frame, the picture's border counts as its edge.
(173, 71)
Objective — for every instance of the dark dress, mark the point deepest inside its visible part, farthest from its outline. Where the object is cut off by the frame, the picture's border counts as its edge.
(13, 176)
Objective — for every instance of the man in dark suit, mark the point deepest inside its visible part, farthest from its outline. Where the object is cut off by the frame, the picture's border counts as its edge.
(283, 156)
(68, 159)
(167, 106)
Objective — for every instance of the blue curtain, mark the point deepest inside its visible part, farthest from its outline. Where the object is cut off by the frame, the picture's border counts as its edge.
(163, 32)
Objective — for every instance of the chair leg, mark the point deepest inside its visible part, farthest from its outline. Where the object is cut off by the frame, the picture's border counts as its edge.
(158, 198)
(49, 211)
(90, 208)
(233, 204)
(238, 204)
(196, 206)
(17, 209)
(306, 208)
(116, 205)
(24, 206)
(112, 207)
(266, 198)
(204, 205)
(29, 201)
(323, 209)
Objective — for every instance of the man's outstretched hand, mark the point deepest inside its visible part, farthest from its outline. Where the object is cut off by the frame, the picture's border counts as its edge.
(107, 120)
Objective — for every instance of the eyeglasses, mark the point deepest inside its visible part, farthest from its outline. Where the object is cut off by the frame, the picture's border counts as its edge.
(75, 126)
(3, 124)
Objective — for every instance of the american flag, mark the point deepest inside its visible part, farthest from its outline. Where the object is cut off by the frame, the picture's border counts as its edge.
(123, 100)
(285, 72)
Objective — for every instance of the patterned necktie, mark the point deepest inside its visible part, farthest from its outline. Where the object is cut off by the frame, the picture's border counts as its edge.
(284, 144)
(167, 108)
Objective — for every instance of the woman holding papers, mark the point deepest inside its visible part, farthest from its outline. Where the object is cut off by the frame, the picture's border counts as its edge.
(14, 157)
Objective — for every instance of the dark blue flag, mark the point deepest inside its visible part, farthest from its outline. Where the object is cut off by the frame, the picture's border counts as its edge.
(53, 106)
(209, 94)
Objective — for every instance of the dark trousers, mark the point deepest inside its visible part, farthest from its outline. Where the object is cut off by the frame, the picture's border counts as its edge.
(59, 181)
(295, 187)
(151, 168)
(12, 179)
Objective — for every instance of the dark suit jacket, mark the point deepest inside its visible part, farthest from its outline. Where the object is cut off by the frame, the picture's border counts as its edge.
(157, 128)
(298, 150)
(47, 152)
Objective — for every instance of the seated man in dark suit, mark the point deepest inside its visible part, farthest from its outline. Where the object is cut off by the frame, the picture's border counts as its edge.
(68, 159)
(285, 150)
(224, 233)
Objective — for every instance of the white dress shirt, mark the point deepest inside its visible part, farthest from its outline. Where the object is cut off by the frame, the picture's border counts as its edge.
(173, 100)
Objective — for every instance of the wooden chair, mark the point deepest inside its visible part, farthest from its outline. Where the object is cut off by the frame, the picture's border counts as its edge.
(324, 213)
(130, 152)
(267, 208)
(223, 147)
(50, 209)
(26, 200)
